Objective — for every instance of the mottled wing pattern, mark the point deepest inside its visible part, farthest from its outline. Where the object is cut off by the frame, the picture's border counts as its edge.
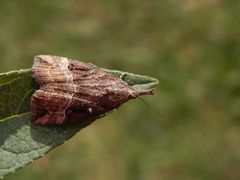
(73, 90)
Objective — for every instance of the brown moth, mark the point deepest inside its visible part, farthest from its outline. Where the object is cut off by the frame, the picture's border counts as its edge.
(70, 90)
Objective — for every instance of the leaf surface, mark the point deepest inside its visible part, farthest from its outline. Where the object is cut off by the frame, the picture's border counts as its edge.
(20, 141)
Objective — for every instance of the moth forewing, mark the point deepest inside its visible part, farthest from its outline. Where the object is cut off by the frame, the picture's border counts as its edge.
(70, 90)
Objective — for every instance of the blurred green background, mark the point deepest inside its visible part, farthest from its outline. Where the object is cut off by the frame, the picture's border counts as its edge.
(191, 46)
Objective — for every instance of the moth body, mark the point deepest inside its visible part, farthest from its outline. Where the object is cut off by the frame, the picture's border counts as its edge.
(71, 90)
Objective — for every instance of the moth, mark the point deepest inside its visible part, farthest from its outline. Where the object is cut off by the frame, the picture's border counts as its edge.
(70, 90)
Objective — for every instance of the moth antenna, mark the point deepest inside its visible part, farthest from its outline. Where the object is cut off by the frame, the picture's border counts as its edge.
(151, 106)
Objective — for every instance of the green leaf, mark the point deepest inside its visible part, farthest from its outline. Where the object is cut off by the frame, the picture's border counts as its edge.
(16, 88)
(21, 142)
